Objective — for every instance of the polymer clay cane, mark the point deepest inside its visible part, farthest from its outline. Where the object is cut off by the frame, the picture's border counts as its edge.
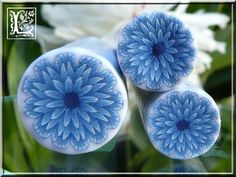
(73, 99)
(156, 51)
(182, 123)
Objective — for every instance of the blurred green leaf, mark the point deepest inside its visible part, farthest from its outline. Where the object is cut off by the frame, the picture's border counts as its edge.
(227, 101)
(140, 157)
(21, 55)
(40, 158)
(226, 118)
(218, 83)
(216, 164)
(220, 60)
(155, 162)
(14, 155)
(137, 130)
(225, 141)
(108, 147)
(215, 152)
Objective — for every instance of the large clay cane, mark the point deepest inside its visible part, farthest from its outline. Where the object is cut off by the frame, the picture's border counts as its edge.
(182, 123)
(73, 99)
(156, 51)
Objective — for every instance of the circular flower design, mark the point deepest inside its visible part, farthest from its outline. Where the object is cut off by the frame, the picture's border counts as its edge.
(155, 51)
(183, 125)
(72, 102)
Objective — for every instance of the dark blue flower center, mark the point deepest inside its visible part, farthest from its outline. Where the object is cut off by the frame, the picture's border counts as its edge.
(182, 125)
(71, 100)
(158, 49)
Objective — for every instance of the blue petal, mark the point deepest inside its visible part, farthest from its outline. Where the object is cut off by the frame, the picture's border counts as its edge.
(96, 125)
(78, 84)
(59, 86)
(162, 60)
(67, 117)
(60, 128)
(63, 72)
(46, 77)
(152, 37)
(89, 128)
(58, 112)
(53, 94)
(46, 118)
(88, 99)
(101, 95)
(68, 85)
(84, 115)
(87, 107)
(42, 109)
(70, 70)
(55, 104)
(42, 102)
(100, 117)
(169, 57)
(75, 119)
(80, 70)
(159, 35)
(95, 80)
(52, 72)
(40, 86)
(98, 86)
(144, 28)
(103, 111)
(37, 93)
(66, 133)
(85, 90)
(147, 42)
(76, 134)
(51, 124)
(103, 102)
(82, 132)
(86, 74)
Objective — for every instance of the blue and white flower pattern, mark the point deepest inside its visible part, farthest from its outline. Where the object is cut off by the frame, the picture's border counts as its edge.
(156, 51)
(73, 103)
(183, 125)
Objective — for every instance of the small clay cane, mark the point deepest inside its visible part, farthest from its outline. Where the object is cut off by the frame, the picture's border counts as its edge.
(73, 99)
(182, 123)
(156, 51)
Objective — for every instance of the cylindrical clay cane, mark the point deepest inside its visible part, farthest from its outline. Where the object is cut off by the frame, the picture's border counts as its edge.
(73, 99)
(156, 51)
(182, 123)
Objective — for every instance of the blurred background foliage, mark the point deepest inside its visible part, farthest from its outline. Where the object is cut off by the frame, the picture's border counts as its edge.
(130, 152)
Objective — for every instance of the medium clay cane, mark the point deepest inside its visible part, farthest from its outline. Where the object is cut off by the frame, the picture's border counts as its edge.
(182, 123)
(73, 99)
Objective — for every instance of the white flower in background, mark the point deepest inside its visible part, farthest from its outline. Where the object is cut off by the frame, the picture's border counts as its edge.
(72, 22)
(199, 23)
